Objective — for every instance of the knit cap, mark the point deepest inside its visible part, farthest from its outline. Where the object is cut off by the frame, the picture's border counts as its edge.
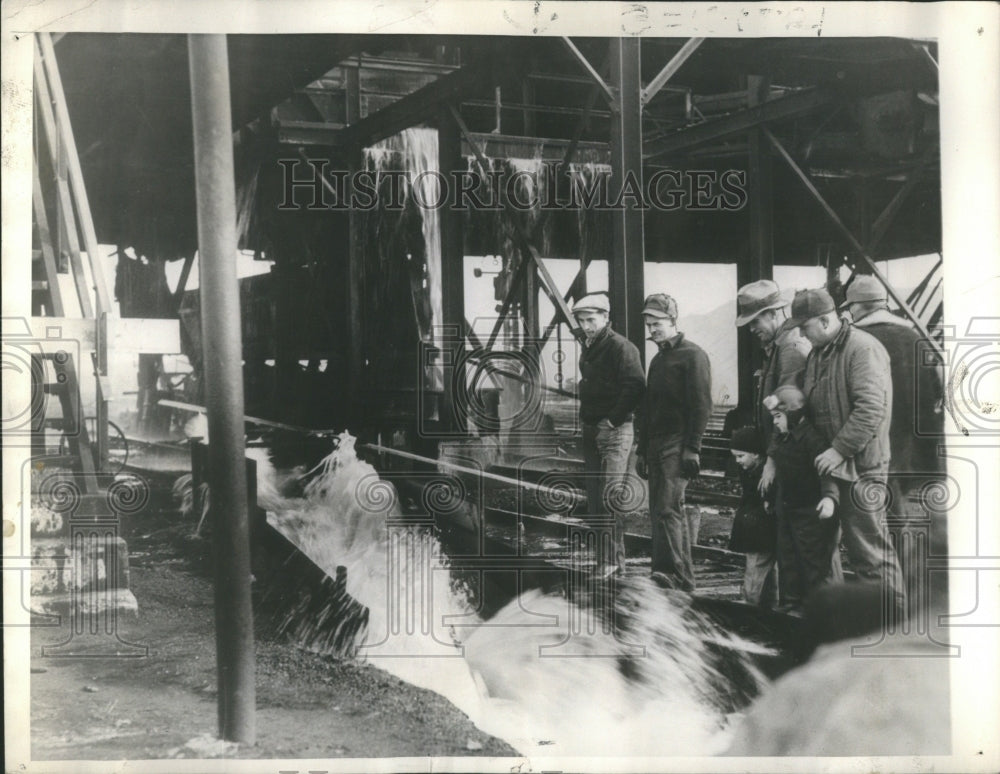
(747, 439)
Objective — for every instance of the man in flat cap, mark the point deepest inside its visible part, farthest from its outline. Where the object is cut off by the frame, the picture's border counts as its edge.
(611, 386)
(672, 421)
(917, 421)
(848, 389)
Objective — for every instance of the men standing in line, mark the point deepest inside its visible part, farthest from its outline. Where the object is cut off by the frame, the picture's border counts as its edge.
(761, 306)
(849, 392)
(611, 386)
(672, 420)
(917, 422)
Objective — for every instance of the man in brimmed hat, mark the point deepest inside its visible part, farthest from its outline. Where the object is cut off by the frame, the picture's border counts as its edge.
(848, 390)
(611, 386)
(761, 306)
(672, 420)
(916, 423)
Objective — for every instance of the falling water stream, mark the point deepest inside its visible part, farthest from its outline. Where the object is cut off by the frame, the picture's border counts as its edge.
(519, 676)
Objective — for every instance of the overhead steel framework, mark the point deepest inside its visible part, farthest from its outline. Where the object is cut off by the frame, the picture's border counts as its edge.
(852, 123)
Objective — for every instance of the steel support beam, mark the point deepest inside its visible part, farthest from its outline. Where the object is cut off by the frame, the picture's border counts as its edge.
(760, 261)
(595, 76)
(668, 72)
(882, 223)
(423, 104)
(791, 106)
(220, 322)
(354, 298)
(450, 159)
(851, 239)
(626, 284)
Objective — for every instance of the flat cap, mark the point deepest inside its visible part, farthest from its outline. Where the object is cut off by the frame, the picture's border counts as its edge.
(660, 305)
(593, 302)
(811, 303)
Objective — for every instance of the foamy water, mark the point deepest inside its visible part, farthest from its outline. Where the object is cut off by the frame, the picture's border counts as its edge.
(542, 674)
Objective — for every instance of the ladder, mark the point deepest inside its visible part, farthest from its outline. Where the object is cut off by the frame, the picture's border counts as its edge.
(64, 243)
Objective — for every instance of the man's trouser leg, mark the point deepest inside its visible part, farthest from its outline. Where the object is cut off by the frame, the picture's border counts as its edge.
(606, 463)
(789, 575)
(614, 446)
(670, 526)
(758, 580)
(862, 518)
(815, 542)
(593, 480)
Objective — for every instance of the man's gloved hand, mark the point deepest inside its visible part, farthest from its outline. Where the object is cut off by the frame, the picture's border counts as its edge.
(690, 463)
(641, 469)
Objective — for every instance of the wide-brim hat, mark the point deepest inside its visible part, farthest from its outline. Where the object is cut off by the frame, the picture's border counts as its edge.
(757, 297)
(864, 288)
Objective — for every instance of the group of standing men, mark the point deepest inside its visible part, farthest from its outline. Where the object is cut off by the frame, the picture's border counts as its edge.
(870, 391)
(670, 405)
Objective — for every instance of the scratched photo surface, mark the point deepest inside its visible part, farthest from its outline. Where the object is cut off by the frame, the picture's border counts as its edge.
(317, 453)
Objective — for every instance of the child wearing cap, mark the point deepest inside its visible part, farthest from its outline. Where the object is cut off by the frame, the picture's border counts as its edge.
(755, 531)
(805, 501)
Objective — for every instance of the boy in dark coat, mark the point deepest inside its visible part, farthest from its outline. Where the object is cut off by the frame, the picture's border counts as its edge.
(755, 531)
(805, 501)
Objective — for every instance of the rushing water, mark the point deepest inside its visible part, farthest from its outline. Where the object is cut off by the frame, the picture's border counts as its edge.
(519, 676)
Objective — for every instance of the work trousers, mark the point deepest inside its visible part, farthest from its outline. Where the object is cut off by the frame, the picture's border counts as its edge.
(759, 584)
(605, 458)
(862, 512)
(806, 545)
(671, 528)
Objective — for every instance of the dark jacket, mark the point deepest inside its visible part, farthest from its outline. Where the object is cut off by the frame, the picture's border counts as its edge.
(755, 528)
(678, 395)
(798, 483)
(849, 396)
(915, 429)
(784, 363)
(611, 383)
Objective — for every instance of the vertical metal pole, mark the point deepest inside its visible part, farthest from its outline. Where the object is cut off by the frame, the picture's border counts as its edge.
(354, 302)
(450, 159)
(626, 283)
(760, 262)
(220, 323)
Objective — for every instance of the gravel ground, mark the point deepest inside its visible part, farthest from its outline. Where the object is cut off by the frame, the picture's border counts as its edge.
(163, 704)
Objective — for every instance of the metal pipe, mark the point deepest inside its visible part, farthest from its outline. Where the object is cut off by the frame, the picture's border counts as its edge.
(220, 322)
(474, 471)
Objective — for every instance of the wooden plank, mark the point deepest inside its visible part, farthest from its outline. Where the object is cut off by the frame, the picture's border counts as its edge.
(65, 129)
(83, 331)
(144, 336)
(45, 237)
(68, 222)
